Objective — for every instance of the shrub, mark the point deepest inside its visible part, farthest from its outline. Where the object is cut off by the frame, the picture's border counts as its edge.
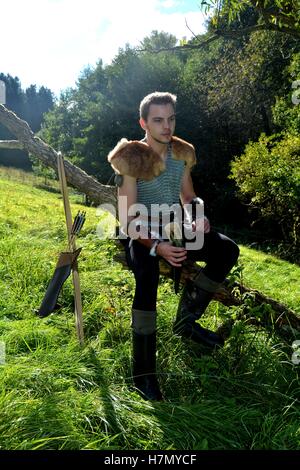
(268, 178)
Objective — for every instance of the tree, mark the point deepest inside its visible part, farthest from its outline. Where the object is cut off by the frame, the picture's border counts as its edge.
(267, 173)
(158, 40)
(272, 15)
(29, 105)
(36, 104)
(15, 100)
(235, 19)
(228, 91)
(268, 178)
(89, 119)
(286, 110)
(14, 93)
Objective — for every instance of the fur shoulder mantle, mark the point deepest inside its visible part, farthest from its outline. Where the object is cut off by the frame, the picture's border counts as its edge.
(137, 159)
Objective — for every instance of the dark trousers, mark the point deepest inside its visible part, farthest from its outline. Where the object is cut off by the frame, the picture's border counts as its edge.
(219, 252)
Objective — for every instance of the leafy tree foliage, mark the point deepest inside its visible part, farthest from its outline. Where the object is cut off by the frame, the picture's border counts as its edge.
(30, 105)
(36, 103)
(89, 120)
(286, 111)
(230, 88)
(271, 15)
(158, 40)
(268, 177)
(268, 173)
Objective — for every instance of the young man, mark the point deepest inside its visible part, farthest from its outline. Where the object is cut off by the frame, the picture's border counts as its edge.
(155, 173)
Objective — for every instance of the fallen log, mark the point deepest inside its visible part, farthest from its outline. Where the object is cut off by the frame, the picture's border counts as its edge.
(234, 293)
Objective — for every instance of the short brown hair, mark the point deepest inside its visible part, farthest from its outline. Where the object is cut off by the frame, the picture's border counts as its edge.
(158, 97)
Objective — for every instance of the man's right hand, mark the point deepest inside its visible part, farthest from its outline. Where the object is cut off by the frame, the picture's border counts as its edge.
(172, 254)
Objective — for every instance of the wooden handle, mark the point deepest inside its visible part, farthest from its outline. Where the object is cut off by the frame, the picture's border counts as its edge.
(72, 247)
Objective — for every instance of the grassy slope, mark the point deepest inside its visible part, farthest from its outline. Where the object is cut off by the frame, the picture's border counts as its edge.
(54, 395)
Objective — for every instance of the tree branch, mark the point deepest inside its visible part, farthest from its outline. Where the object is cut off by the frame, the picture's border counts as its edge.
(183, 47)
(11, 144)
(97, 192)
(229, 34)
(260, 27)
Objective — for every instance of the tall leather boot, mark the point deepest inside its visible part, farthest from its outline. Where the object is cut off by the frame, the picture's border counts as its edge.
(144, 365)
(193, 303)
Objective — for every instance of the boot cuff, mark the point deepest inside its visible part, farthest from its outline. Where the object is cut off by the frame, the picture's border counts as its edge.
(205, 283)
(143, 322)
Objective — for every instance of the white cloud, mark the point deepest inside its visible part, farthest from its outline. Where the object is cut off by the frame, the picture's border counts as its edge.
(48, 42)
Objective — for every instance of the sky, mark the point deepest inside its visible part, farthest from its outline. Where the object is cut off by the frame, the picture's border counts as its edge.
(50, 42)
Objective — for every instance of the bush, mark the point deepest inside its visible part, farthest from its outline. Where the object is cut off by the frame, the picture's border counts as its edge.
(268, 178)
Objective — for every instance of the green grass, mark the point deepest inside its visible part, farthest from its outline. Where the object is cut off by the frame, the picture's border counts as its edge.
(56, 395)
(273, 276)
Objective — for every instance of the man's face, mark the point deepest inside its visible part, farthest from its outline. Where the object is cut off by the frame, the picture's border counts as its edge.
(160, 124)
